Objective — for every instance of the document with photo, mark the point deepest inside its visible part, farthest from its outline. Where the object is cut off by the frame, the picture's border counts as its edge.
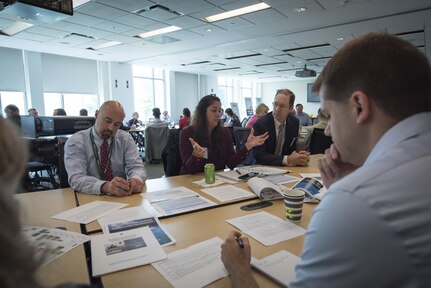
(313, 188)
(228, 193)
(196, 266)
(51, 243)
(267, 228)
(133, 218)
(119, 251)
(264, 189)
(89, 212)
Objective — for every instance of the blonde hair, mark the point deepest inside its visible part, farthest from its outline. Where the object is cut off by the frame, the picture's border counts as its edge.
(261, 109)
(17, 266)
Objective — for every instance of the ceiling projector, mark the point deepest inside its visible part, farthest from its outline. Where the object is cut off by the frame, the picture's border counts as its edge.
(305, 73)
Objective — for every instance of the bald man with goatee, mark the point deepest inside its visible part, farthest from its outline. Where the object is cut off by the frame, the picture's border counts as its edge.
(103, 159)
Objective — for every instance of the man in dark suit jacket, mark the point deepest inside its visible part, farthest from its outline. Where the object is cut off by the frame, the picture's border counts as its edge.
(266, 153)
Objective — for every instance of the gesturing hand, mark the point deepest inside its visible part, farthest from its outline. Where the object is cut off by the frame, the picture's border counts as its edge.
(253, 141)
(198, 151)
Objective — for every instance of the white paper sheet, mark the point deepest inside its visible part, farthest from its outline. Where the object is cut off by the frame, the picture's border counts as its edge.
(230, 176)
(167, 194)
(263, 170)
(89, 212)
(266, 228)
(195, 266)
(281, 179)
(202, 183)
(119, 251)
(227, 193)
(180, 205)
(133, 218)
(51, 243)
(311, 175)
(279, 266)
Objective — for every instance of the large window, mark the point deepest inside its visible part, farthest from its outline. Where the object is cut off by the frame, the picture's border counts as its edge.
(149, 90)
(72, 103)
(17, 98)
(232, 90)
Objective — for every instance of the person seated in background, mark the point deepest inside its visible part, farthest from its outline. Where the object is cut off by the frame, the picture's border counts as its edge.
(223, 116)
(17, 265)
(134, 121)
(232, 119)
(283, 128)
(261, 110)
(11, 110)
(156, 121)
(168, 119)
(83, 112)
(304, 119)
(33, 112)
(104, 159)
(372, 227)
(207, 141)
(322, 119)
(185, 120)
(59, 112)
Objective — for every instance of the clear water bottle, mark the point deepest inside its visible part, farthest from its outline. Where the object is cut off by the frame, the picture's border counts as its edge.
(300, 143)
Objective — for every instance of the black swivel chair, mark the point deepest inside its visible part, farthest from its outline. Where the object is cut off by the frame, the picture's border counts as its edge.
(319, 142)
(171, 155)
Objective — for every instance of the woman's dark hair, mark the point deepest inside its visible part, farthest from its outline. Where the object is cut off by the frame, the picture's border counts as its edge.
(186, 112)
(200, 124)
(229, 112)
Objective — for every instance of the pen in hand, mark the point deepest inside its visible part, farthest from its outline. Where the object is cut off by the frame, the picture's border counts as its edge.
(240, 243)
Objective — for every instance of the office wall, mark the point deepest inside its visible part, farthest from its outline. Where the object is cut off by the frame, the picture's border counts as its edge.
(12, 72)
(184, 93)
(69, 74)
(298, 87)
(120, 77)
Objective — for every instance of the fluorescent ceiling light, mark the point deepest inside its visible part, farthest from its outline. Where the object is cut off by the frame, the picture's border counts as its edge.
(237, 12)
(105, 45)
(15, 28)
(77, 3)
(159, 31)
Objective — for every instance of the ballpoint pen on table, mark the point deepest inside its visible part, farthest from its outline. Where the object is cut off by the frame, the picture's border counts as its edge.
(240, 243)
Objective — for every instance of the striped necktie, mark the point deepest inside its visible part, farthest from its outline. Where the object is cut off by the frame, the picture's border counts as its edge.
(104, 156)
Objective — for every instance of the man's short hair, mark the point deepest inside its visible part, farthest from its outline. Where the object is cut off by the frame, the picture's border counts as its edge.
(83, 112)
(11, 110)
(156, 112)
(288, 93)
(299, 104)
(390, 70)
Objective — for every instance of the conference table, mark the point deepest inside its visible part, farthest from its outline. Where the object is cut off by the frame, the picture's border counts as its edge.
(187, 229)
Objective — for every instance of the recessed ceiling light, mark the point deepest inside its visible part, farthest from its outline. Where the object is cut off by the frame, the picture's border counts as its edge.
(105, 45)
(159, 31)
(208, 30)
(340, 38)
(77, 3)
(300, 9)
(237, 12)
(15, 28)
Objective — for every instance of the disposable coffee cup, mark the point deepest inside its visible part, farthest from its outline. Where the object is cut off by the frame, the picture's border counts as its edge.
(293, 202)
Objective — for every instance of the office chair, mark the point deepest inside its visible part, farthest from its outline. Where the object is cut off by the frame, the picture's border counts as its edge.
(155, 141)
(240, 136)
(319, 142)
(171, 155)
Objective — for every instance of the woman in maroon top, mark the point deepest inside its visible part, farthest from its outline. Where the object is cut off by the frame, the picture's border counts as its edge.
(207, 141)
(185, 120)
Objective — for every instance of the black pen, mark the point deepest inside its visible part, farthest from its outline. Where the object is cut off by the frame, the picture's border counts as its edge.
(240, 243)
(237, 171)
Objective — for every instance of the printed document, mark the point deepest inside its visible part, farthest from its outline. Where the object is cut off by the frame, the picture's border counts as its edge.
(195, 266)
(263, 170)
(89, 212)
(167, 194)
(279, 266)
(227, 193)
(266, 228)
(119, 251)
(281, 179)
(181, 205)
(312, 175)
(133, 218)
(51, 243)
